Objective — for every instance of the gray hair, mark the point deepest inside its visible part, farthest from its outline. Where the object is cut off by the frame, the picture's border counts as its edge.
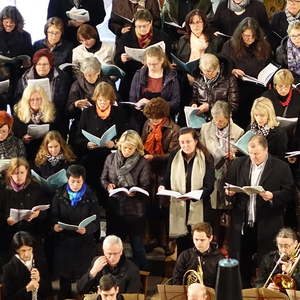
(90, 64)
(112, 240)
(221, 108)
(209, 61)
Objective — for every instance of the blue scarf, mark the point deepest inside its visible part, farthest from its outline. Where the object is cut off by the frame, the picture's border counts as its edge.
(75, 197)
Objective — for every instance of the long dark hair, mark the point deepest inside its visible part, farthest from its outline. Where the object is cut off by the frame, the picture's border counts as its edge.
(200, 146)
(261, 48)
(11, 12)
(22, 238)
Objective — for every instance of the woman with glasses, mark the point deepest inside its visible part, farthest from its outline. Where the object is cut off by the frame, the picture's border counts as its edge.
(140, 36)
(288, 53)
(282, 19)
(283, 258)
(91, 45)
(54, 42)
(248, 52)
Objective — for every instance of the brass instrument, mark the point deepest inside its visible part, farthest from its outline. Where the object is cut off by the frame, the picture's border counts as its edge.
(192, 276)
(285, 281)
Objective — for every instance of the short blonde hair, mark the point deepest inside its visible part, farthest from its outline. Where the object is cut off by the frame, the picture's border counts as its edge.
(283, 76)
(133, 138)
(15, 163)
(264, 106)
(22, 108)
(105, 90)
(294, 25)
(209, 61)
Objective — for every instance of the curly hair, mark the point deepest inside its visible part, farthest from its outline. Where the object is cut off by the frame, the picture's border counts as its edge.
(262, 49)
(11, 12)
(22, 108)
(157, 108)
(65, 149)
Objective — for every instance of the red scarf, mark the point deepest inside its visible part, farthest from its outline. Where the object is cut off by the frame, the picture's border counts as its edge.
(153, 143)
(144, 40)
(288, 99)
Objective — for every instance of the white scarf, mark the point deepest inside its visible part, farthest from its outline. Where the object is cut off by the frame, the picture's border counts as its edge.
(178, 226)
(198, 46)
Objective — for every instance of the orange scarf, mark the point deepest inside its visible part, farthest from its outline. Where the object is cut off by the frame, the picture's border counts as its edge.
(153, 143)
(103, 114)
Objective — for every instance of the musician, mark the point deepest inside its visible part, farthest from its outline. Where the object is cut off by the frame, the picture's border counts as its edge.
(286, 241)
(197, 291)
(256, 219)
(108, 289)
(204, 251)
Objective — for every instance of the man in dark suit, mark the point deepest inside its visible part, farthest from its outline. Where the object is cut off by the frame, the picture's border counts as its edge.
(256, 218)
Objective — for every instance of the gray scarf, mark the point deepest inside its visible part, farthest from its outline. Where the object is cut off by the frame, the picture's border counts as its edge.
(238, 7)
(124, 166)
(290, 18)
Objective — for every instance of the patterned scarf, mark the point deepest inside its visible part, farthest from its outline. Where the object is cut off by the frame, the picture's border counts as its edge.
(140, 3)
(222, 135)
(144, 40)
(290, 18)
(75, 197)
(36, 116)
(124, 166)
(260, 130)
(153, 143)
(238, 7)
(293, 57)
(210, 82)
(54, 160)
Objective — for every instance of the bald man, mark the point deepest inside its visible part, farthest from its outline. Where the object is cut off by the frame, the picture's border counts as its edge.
(197, 291)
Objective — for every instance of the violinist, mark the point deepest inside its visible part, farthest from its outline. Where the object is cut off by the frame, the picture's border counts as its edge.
(284, 257)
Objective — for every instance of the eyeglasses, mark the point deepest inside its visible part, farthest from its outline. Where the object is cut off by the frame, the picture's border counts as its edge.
(144, 26)
(54, 33)
(285, 246)
(295, 36)
(283, 87)
(293, 1)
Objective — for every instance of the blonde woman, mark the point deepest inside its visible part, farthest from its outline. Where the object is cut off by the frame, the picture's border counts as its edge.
(264, 122)
(54, 154)
(126, 213)
(33, 108)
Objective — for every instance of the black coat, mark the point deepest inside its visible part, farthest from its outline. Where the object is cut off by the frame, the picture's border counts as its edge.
(15, 43)
(279, 26)
(16, 276)
(58, 8)
(125, 272)
(188, 260)
(62, 52)
(276, 178)
(73, 252)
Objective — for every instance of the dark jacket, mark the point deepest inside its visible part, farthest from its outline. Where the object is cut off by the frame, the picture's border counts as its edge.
(15, 43)
(189, 260)
(62, 52)
(268, 263)
(170, 89)
(225, 88)
(281, 58)
(58, 8)
(46, 169)
(279, 26)
(123, 204)
(276, 178)
(226, 21)
(125, 272)
(67, 241)
(12, 147)
(16, 276)
(125, 8)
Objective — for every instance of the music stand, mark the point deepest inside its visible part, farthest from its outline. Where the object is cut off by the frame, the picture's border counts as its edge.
(263, 294)
(293, 295)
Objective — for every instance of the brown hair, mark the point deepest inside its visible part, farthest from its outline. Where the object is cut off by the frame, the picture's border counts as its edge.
(260, 140)
(87, 31)
(6, 119)
(41, 156)
(14, 164)
(159, 53)
(105, 90)
(157, 108)
(143, 14)
(203, 227)
(54, 21)
(288, 233)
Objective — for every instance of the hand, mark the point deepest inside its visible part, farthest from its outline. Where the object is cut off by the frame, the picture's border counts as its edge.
(10, 221)
(82, 104)
(33, 215)
(125, 57)
(74, 23)
(35, 275)
(160, 188)
(148, 156)
(81, 231)
(91, 145)
(142, 102)
(57, 228)
(110, 144)
(132, 194)
(292, 160)
(229, 193)
(267, 196)
(238, 73)
(27, 138)
(286, 266)
(194, 105)
(98, 265)
(110, 186)
(191, 79)
(125, 29)
(33, 285)
(203, 108)
(230, 155)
